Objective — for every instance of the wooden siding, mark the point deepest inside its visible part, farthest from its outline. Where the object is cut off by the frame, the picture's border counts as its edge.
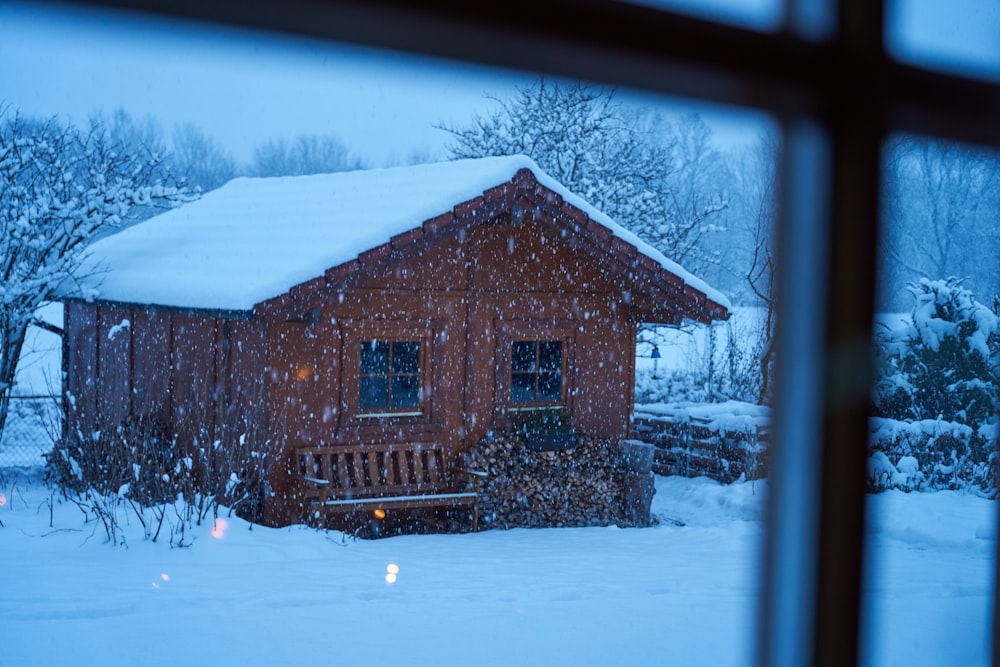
(465, 285)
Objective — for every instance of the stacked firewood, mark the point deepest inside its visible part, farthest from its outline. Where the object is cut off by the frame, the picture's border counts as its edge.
(582, 486)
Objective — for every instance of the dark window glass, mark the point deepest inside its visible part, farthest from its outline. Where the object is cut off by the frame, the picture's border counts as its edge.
(522, 387)
(390, 375)
(374, 357)
(536, 371)
(522, 356)
(406, 357)
(374, 392)
(550, 386)
(550, 355)
(405, 391)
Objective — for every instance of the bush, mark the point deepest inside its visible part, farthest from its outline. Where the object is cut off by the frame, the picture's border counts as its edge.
(931, 455)
(137, 469)
(940, 365)
(935, 397)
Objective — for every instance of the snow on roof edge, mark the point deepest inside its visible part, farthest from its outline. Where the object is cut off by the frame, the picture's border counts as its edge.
(181, 277)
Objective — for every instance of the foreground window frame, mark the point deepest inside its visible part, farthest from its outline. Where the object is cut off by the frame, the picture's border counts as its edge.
(838, 94)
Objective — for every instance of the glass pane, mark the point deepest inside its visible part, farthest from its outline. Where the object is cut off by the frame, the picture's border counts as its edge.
(763, 15)
(522, 387)
(550, 386)
(374, 357)
(523, 356)
(960, 38)
(406, 391)
(931, 450)
(406, 357)
(550, 355)
(374, 392)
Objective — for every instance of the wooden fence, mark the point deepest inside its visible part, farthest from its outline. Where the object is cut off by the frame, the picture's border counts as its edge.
(692, 447)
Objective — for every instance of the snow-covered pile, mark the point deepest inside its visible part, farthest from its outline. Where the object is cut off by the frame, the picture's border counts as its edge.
(684, 592)
(725, 417)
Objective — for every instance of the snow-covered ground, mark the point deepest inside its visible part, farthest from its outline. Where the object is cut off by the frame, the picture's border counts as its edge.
(681, 593)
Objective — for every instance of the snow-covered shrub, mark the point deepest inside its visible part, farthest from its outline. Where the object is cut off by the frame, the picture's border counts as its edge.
(935, 396)
(931, 454)
(939, 365)
(139, 469)
(670, 386)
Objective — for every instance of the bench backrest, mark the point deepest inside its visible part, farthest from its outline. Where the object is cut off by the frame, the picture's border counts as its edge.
(398, 469)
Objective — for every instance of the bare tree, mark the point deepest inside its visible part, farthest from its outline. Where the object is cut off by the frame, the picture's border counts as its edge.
(305, 154)
(941, 208)
(199, 158)
(759, 197)
(646, 173)
(59, 189)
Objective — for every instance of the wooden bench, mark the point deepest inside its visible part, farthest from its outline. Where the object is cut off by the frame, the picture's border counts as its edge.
(341, 479)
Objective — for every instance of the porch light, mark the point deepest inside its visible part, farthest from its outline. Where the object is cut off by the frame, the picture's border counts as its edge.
(655, 355)
(379, 514)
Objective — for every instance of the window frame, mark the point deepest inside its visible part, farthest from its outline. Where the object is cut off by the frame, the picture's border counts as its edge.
(388, 410)
(510, 331)
(838, 97)
(536, 373)
(358, 332)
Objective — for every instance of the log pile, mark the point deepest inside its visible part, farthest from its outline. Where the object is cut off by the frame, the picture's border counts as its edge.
(582, 486)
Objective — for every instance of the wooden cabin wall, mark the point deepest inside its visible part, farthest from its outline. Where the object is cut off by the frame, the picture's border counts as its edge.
(180, 369)
(468, 296)
(80, 371)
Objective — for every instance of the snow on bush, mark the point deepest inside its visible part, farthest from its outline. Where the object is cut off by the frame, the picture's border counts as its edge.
(939, 365)
(936, 394)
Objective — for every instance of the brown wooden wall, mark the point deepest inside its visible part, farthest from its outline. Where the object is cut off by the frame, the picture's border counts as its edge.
(180, 369)
(470, 296)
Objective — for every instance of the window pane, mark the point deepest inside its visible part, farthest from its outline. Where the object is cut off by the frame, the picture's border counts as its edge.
(550, 386)
(374, 357)
(523, 356)
(522, 387)
(406, 391)
(374, 392)
(550, 355)
(931, 449)
(961, 38)
(763, 15)
(406, 357)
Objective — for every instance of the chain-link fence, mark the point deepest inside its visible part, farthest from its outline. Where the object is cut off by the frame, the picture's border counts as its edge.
(33, 424)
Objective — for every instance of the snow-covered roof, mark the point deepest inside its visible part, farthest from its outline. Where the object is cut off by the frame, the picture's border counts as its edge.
(255, 238)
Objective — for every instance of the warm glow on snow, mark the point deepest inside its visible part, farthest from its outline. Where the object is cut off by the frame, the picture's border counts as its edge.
(219, 530)
(3, 500)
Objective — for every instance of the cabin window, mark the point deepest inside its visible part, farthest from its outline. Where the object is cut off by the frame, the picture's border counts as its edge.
(390, 378)
(537, 372)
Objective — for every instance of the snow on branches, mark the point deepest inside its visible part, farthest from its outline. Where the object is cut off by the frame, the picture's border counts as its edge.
(656, 178)
(61, 187)
(939, 365)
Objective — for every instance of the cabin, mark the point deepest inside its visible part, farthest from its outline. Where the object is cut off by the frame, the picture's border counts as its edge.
(431, 304)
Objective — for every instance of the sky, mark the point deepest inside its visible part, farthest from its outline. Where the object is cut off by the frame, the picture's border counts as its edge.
(244, 87)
